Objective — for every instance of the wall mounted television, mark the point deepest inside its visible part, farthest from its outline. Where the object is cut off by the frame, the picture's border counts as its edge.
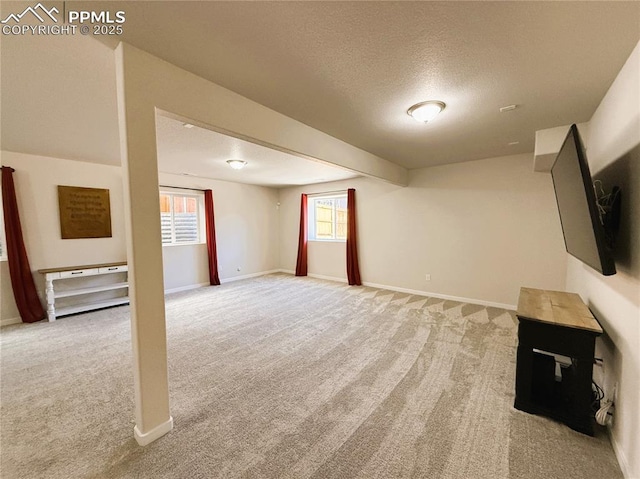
(584, 233)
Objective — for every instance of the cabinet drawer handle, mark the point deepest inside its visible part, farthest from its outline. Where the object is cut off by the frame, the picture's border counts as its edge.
(77, 272)
(112, 269)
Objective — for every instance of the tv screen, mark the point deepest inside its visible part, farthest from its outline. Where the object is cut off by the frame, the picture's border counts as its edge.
(584, 234)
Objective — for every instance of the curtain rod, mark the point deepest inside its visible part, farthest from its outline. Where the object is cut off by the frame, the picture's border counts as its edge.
(181, 188)
(323, 193)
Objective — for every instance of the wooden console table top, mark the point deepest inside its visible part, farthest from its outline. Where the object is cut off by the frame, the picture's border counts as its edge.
(557, 308)
(86, 266)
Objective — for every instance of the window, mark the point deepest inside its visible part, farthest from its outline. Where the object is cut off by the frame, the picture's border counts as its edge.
(180, 216)
(328, 218)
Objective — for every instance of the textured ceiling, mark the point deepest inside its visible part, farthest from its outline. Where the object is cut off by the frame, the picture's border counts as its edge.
(350, 69)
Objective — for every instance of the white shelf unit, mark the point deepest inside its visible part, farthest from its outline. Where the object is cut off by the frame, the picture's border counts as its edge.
(76, 288)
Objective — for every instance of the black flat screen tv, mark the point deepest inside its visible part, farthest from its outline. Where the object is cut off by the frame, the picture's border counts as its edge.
(584, 233)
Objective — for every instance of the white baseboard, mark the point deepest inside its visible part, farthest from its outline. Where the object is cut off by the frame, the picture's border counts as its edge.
(247, 276)
(328, 278)
(459, 299)
(222, 281)
(415, 291)
(7, 322)
(185, 288)
(155, 433)
(620, 455)
(313, 275)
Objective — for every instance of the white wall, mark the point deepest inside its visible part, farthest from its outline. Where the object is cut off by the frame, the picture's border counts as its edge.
(246, 225)
(482, 229)
(613, 152)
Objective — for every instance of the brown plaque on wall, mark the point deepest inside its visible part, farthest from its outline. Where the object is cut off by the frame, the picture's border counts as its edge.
(84, 212)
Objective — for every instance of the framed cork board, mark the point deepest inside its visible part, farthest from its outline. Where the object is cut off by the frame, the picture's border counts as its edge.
(84, 212)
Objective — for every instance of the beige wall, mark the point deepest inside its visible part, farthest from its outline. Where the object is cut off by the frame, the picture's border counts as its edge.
(36, 179)
(246, 234)
(481, 229)
(613, 152)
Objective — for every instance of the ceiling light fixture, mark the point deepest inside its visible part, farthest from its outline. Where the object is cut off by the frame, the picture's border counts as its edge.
(187, 125)
(426, 111)
(237, 164)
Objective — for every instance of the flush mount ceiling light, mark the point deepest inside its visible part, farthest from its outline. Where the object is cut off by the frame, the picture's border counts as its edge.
(426, 111)
(236, 164)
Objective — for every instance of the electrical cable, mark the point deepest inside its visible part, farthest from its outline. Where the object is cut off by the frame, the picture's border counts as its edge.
(602, 410)
(599, 393)
(602, 415)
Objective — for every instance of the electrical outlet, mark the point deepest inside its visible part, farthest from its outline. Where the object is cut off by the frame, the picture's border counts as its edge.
(427, 277)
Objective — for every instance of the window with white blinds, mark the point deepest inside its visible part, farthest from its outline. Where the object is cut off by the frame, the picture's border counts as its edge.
(180, 216)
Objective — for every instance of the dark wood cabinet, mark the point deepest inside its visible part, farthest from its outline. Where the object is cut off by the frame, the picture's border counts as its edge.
(556, 323)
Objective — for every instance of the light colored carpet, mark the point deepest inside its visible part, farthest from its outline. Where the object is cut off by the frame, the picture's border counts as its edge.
(284, 377)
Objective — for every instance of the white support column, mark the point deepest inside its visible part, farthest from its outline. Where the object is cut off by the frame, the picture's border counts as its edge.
(144, 256)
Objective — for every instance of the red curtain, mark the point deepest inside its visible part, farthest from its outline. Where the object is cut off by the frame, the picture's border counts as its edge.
(24, 289)
(353, 269)
(301, 264)
(214, 280)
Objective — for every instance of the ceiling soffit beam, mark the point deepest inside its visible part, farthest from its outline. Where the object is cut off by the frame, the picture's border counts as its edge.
(161, 85)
